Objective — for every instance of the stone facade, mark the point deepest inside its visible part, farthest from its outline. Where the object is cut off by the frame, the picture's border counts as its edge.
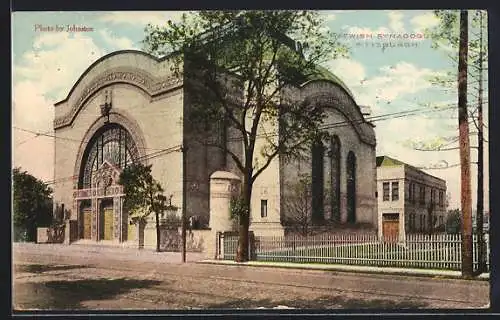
(148, 105)
(354, 136)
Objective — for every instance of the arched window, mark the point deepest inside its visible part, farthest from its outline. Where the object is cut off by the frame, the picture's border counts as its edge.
(317, 186)
(351, 187)
(335, 178)
(113, 143)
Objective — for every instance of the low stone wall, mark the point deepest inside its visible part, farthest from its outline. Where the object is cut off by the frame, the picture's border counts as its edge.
(171, 239)
(50, 234)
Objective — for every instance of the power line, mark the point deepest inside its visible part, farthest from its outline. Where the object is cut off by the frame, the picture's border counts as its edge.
(152, 155)
(63, 138)
(387, 116)
(142, 158)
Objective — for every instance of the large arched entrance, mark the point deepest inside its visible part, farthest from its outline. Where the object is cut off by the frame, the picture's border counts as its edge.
(99, 197)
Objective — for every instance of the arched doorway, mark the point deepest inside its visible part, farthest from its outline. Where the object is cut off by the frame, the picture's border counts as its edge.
(99, 197)
(351, 187)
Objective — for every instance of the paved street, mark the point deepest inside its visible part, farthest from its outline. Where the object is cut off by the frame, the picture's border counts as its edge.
(83, 277)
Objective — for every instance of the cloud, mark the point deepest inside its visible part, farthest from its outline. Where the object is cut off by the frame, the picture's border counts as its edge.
(366, 30)
(396, 21)
(32, 110)
(350, 71)
(56, 61)
(329, 16)
(142, 17)
(391, 135)
(392, 82)
(118, 43)
(43, 76)
(400, 79)
(424, 21)
(395, 25)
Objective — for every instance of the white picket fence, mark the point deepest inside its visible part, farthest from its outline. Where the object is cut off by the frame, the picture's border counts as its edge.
(439, 251)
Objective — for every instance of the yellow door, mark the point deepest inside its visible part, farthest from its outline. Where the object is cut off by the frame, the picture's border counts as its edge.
(108, 223)
(87, 221)
(131, 235)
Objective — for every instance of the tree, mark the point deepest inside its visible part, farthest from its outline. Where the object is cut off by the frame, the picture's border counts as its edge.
(143, 196)
(237, 67)
(453, 221)
(32, 205)
(298, 206)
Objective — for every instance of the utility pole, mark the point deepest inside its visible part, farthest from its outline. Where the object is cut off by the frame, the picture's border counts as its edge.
(463, 125)
(184, 202)
(480, 178)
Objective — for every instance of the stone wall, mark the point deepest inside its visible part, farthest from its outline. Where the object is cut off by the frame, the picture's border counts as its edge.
(366, 205)
(171, 239)
(51, 234)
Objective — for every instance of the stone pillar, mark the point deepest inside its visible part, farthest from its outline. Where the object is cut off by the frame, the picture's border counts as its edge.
(124, 222)
(223, 186)
(67, 231)
(116, 219)
(141, 225)
(327, 183)
(95, 213)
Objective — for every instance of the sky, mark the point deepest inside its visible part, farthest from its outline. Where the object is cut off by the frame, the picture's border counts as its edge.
(47, 62)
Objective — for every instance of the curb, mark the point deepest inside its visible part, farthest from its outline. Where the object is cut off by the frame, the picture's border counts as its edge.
(425, 273)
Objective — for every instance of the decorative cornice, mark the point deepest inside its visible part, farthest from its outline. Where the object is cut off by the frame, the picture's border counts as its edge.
(153, 86)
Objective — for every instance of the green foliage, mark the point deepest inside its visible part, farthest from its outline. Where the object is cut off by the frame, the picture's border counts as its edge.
(236, 66)
(238, 207)
(143, 194)
(298, 205)
(172, 220)
(239, 68)
(32, 205)
(454, 221)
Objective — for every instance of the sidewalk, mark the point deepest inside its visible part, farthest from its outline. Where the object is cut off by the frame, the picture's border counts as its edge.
(351, 268)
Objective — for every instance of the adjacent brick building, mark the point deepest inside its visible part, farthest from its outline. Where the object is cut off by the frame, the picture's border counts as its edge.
(409, 200)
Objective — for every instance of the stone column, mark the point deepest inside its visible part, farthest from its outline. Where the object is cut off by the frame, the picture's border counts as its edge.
(124, 221)
(95, 222)
(327, 183)
(223, 186)
(116, 218)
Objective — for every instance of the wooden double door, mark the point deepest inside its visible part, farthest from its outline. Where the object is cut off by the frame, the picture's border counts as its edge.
(390, 226)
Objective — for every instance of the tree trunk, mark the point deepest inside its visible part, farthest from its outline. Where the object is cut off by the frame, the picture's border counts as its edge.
(246, 193)
(157, 216)
(466, 204)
